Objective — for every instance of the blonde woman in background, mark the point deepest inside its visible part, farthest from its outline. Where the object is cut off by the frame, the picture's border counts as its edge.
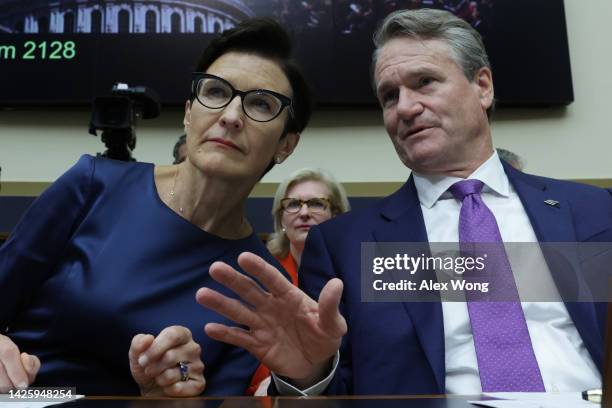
(306, 198)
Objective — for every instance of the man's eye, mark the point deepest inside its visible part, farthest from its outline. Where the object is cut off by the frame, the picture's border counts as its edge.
(425, 81)
(389, 98)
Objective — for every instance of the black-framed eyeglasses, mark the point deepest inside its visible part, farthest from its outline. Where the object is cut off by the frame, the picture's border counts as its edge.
(261, 105)
(315, 205)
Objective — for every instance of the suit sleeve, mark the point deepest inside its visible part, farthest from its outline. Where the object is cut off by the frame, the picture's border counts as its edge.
(316, 269)
(36, 244)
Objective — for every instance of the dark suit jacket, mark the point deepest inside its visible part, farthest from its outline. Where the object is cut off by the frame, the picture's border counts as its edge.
(398, 348)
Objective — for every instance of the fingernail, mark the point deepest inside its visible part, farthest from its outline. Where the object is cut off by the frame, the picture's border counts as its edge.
(143, 360)
(22, 386)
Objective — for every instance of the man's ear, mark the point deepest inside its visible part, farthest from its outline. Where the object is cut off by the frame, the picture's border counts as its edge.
(187, 118)
(484, 81)
(286, 146)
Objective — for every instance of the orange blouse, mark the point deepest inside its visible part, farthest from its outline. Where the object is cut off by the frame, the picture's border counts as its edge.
(262, 371)
(291, 267)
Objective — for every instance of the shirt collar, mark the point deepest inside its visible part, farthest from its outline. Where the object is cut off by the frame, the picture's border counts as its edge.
(432, 188)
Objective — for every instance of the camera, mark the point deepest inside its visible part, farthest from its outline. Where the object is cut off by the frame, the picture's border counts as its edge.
(117, 115)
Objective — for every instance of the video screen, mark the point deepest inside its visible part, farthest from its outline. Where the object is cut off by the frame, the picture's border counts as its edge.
(66, 52)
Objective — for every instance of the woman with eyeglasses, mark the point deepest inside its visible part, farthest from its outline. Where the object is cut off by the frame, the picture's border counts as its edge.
(306, 198)
(98, 280)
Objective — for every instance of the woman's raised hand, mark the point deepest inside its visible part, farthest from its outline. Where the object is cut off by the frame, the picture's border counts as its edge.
(287, 331)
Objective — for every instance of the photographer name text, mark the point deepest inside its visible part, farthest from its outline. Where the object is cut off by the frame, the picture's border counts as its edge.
(457, 265)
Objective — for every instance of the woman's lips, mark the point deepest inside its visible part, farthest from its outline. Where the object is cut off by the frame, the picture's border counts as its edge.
(223, 142)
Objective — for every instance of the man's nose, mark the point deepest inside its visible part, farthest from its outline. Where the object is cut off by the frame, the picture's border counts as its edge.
(409, 104)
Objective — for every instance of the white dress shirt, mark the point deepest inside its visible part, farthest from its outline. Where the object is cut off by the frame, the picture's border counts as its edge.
(564, 362)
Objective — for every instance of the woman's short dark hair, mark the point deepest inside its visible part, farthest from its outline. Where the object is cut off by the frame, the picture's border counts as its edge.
(265, 37)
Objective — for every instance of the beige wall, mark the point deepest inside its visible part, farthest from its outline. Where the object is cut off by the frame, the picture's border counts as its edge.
(573, 142)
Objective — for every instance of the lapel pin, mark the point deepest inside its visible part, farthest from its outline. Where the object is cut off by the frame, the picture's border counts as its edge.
(553, 203)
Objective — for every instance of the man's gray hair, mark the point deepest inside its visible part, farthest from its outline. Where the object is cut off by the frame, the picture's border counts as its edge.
(465, 43)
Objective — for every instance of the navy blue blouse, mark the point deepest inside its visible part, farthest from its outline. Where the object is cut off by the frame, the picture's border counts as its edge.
(99, 258)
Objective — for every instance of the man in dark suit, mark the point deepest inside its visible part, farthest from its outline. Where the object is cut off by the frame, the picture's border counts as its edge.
(434, 83)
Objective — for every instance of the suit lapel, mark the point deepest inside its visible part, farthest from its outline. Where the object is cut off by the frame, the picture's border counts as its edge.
(554, 223)
(550, 222)
(404, 223)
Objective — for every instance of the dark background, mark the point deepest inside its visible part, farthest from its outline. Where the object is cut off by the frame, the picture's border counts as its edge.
(526, 41)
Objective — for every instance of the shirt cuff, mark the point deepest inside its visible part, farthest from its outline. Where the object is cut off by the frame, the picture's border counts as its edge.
(286, 389)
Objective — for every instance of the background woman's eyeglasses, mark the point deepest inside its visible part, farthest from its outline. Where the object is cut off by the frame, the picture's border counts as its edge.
(261, 105)
(315, 205)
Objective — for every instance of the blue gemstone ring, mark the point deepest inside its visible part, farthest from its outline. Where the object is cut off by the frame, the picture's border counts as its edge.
(183, 367)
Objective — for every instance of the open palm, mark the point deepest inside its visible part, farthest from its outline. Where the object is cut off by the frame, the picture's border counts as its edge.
(287, 331)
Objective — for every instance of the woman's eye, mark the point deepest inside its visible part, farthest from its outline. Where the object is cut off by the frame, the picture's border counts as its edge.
(316, 204)
(293, 205)
(261, 104)
(215, 92)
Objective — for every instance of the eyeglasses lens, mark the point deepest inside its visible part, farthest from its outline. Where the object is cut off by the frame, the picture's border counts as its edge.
(315, 205)
(214, 93)
(261, 106)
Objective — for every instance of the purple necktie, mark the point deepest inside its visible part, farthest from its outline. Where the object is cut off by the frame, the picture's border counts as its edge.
(506, 361)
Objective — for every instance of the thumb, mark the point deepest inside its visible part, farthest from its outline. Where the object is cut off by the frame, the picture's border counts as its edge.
(330, 319)
(31, 364)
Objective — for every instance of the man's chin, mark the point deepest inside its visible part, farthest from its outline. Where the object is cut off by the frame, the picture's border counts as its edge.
(424, 163)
